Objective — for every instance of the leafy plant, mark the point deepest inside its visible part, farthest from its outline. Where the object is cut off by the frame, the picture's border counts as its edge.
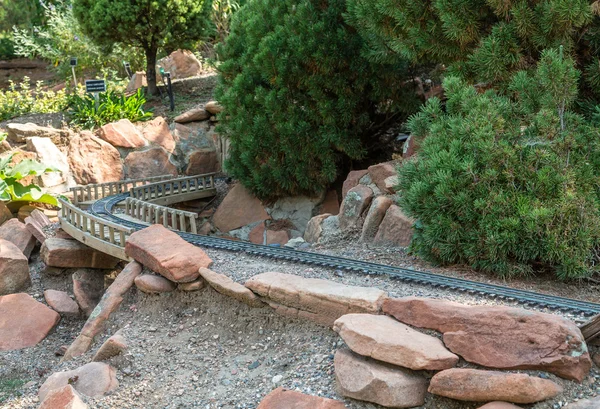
(22, 100)
(112, 107)
(507, 185)
(12, 190)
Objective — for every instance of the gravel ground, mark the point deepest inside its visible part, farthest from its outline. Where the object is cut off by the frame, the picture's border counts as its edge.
(204, 350)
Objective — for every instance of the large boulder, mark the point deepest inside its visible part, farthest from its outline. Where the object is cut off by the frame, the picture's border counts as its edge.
(14, 269)
(319, 300)
(239, 208)
(95, 380)
(149, 163)
(500, 337)
(18, 133)
(63, 398)
(122, 134)
(374, 216)
(193, 115)
(285, 399)
(380, 172)
(93, 160)
(226, 286)
(355, 203)
(352, 180)
(50, 155)
(371, 381)
(24, 322)
(65, 253)
(157, 132)
(396, 229)
(385, 339)
(202, 161)
(475, 385)
(181, 64)
(163, 251)
(18, 234)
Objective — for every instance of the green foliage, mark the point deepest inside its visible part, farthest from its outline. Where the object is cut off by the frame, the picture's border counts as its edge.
(112, 107)
(507, 184)
(7, 48)
(61, 38)
(146, 24)
(481, 40)
(12, 190)
(10, 387)
(22, 100)
(298, 97)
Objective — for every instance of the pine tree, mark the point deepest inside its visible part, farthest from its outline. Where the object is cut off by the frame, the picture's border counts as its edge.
(507, 183)
(298, 97)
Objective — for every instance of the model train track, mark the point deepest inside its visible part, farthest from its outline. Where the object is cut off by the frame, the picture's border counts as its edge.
(104, 208)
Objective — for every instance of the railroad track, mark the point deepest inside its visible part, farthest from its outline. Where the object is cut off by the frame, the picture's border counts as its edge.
(104, 207)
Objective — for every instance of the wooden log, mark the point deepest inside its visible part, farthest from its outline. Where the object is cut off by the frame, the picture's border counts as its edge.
(591, 330)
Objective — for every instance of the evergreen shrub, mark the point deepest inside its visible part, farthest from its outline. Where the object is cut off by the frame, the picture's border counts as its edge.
(507, 183)
(298, 96)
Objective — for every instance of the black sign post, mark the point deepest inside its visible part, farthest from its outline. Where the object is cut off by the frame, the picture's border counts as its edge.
(73, 64)
(170, 91)
(95, 87)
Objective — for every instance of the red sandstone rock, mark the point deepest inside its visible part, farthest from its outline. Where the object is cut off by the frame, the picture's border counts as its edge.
(500, 337)
(285, 399)
(153, 284)
(593, 403)
(63, 398)
(193, 115)
(197, 285)
(148, 163)
(320, 300)
(484, 386)
(499, 405)
(88, 287)
(331, 204)
(14, 269)
(352, 180)
(385, 339)
(356, 202)
(109, 303)
(280, 237)
(395, 229)
(238, 209)
(95, 380)
(374, 216)
(163, 251)
(61, 302)
(16, 232)
(181, 64)
(35, 229)
(157, 132)
(24, 322)
(122, 134)
(314, 228)
(115, 345)
(202, 161)
(257, 234)
(72, 254)
(213, 107)
(372, 381)
(5, 213)
(93, 160)
(226, 286)
(380, 172)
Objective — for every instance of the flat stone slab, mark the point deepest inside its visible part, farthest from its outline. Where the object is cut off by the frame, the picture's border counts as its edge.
(385, 339)
(14, 269)
(95, 380)
(285, 399)
(113, 346)
(24, 322)
(226, 286)
(321, 300)
(164, 252)
(61, 302)
(153, 284)
(67, 253)
(64, 398)
(372, 381)
(500, 337)
(585, 404)
(483, 386)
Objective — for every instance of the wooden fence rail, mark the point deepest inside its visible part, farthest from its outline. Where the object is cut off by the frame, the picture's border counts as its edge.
(90, 193)
(93, 231)
(155, 214)
(172, 191)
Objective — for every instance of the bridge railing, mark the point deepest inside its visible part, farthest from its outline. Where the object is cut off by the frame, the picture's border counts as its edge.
(93, 231)
(155, 214)
(171, 191)
(90, 193)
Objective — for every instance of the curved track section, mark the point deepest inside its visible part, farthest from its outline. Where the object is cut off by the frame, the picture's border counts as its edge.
(104, 208)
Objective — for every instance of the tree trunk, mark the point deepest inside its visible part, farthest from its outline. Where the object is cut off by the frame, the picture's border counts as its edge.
(151, 70)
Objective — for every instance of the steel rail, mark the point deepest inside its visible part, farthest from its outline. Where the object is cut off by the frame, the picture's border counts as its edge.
(104, 208)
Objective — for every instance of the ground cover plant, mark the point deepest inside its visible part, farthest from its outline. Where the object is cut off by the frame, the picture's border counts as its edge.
(507, 184)
(299, 98)
(21, 99)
